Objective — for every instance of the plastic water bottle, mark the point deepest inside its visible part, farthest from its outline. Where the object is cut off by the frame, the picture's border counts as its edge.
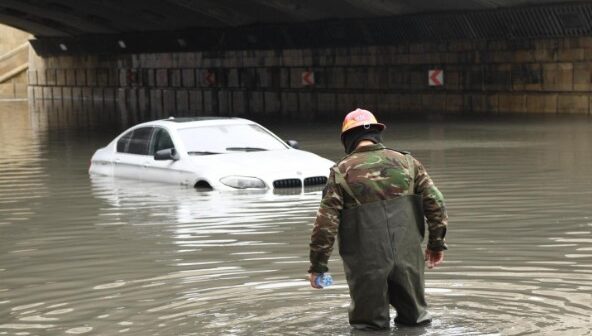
(324, 280)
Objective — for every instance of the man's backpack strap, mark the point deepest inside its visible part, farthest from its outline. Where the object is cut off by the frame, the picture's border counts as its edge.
(340, 180)
(412, 172)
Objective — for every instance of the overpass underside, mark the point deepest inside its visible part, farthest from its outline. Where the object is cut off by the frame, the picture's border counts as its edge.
(530, 60)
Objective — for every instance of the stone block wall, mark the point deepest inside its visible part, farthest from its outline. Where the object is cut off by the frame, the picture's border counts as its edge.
(550, 76)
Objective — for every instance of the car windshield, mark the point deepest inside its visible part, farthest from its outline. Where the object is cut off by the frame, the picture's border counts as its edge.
(219, 139)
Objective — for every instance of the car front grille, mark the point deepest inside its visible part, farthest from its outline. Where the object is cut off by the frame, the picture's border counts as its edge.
(297, 183)
(316, 180)
(287, 183)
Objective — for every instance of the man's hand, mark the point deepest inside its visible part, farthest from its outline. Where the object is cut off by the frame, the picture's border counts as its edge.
(434, 258)
(312, 277)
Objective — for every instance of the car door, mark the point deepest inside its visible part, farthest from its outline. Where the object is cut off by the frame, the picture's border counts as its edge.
(170, 171)
(133, 153)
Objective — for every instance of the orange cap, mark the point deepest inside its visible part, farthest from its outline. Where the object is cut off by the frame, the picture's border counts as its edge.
(360, 117)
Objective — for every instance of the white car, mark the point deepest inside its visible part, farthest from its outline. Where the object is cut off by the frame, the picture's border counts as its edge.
(210, 153)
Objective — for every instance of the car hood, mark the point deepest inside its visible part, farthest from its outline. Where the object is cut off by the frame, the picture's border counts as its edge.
(287, 163)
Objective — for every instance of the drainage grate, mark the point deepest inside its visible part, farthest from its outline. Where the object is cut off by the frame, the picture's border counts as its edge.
(316, 180)
(287, 183)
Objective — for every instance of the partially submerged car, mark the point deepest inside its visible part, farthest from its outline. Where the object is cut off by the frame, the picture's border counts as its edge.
(210, 153)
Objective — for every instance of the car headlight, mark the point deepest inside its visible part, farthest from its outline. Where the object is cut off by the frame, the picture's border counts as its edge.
(243, 182)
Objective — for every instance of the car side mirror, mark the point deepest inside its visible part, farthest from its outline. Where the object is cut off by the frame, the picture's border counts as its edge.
(293, 143)
(166, 154)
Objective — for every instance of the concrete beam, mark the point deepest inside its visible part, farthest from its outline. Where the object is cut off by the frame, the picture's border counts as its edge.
(33, 27)
(432, 18)
(42, 12)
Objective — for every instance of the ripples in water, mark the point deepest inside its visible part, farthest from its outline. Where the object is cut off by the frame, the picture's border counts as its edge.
(102, 256)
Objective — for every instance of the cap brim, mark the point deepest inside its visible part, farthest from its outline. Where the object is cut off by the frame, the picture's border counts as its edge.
(378, 126)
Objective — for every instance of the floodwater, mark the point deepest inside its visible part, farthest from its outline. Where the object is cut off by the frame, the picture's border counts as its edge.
(114, 257)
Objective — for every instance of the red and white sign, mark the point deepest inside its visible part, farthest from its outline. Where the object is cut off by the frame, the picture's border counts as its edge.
(436, 77)
(308, 78)
(209, 77)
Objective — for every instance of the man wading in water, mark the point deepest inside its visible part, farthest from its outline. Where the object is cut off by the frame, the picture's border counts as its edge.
(376, 200)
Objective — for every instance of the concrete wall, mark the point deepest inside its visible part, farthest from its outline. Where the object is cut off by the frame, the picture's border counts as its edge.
(11, 38)
(552, 76)
(13, 76)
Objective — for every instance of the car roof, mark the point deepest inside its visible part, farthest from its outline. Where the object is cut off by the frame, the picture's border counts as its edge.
(190, 119)
(189, 122)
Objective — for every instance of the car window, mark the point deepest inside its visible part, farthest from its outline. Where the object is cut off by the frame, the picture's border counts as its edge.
(123, 142)
(162, 140)
(140, 141)
(228, 138)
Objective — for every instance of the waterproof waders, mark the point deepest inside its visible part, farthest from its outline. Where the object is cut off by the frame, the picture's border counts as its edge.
(380, 245)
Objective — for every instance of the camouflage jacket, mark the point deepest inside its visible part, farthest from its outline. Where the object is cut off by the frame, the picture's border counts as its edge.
(374, 173)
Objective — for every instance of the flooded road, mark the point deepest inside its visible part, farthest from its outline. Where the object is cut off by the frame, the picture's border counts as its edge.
(114, 257)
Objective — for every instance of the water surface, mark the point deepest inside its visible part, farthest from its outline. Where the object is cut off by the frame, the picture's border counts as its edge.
(99, 256)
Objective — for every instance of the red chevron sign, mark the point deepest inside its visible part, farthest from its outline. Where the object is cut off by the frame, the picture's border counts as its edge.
(210, 77)
(436, 77)
(308, 78)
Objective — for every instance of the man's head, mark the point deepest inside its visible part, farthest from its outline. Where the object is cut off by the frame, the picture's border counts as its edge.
(360, 125)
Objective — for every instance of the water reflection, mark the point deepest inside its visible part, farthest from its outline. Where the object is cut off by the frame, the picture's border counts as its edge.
(102, 256)
(21, 165)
